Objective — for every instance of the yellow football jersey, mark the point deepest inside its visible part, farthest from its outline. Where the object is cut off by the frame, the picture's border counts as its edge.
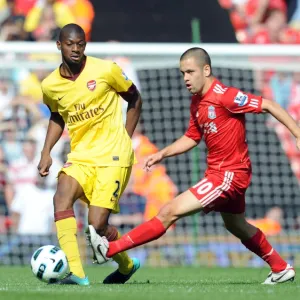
(91, 109)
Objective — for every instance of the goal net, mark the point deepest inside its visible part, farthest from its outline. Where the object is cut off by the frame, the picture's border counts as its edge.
(272, 201)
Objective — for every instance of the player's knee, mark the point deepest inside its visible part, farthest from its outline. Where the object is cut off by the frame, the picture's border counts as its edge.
(61, 202)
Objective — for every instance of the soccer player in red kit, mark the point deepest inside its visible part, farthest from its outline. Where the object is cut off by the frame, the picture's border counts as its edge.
(217, 115)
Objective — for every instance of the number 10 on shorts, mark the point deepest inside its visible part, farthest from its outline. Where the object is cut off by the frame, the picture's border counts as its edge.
(203, 186)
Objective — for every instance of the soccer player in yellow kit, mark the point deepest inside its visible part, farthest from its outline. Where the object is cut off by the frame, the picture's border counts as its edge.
(84, 93)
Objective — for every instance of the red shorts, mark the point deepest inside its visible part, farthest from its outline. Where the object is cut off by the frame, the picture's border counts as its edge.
(222, 191)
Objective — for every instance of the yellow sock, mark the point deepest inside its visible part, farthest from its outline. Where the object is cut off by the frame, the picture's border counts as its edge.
(123, 260)
(67, 237)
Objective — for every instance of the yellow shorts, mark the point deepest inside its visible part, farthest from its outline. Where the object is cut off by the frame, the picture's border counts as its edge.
(102, 186)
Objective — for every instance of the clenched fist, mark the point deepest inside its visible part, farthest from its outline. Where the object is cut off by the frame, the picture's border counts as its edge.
(44, 164)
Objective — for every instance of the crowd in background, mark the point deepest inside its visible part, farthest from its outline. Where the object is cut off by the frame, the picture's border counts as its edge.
(254, 21)
(263, 21)
(40, 20)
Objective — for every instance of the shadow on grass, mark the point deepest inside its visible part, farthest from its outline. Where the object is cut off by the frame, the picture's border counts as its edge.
(194, 283)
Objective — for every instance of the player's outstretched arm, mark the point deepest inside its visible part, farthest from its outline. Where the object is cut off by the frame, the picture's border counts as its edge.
(283, 117)
(55, 129)
(180, 146)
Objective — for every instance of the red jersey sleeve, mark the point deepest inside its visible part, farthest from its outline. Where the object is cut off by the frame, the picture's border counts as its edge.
(194, 132)
(237, 101)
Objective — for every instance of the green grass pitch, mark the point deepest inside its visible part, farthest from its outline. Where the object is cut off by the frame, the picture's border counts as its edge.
(172, 283)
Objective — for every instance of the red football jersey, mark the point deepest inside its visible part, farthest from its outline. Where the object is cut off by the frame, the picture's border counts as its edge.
(219, 117)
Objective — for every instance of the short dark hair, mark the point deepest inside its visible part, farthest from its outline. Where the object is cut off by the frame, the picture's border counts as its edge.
(67, 29)
(199, 53)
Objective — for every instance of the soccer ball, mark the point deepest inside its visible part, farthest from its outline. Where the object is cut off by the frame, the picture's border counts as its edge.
(49, 263)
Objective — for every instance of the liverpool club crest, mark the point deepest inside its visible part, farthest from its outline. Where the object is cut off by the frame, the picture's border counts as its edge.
(211, 112)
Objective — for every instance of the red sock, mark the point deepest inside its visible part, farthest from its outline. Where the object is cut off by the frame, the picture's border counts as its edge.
(261, 247)
(142, 234)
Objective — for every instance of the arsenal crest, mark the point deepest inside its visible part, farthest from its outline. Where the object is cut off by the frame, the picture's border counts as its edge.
(211, 112)
(91, 85)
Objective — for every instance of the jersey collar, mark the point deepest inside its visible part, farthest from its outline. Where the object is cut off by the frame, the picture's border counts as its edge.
(210, 88)
(73, 78)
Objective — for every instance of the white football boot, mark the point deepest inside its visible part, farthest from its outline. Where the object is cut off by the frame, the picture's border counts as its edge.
(99, 245)
(288, 274)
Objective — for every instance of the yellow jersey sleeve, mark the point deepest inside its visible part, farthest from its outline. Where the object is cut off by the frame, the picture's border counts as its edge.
(118, 80)
(51, 103)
